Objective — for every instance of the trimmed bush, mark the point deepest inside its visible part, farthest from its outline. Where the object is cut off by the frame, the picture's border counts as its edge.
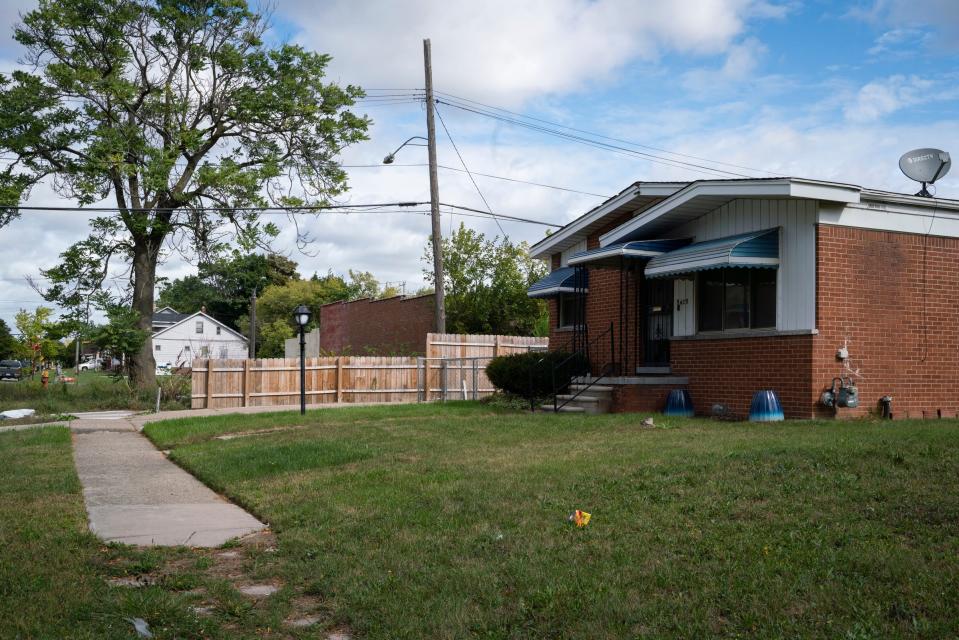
(530, 375)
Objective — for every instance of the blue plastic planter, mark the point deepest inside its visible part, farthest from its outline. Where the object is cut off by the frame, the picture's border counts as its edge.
(679, 404)
(766, 407)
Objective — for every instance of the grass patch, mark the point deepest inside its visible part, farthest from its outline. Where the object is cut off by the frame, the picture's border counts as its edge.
(96, 392)
(56, 577)
(450, 521)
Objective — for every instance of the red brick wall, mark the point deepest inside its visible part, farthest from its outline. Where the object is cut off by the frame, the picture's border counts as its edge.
(602, 308)
(641, 398)
(895, 296)
(730, 370)
(377, 327)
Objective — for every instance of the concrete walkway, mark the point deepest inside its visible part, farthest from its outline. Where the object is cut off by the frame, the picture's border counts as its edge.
(134, 495)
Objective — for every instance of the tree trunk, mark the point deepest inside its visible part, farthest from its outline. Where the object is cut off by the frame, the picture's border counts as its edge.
(142, 364)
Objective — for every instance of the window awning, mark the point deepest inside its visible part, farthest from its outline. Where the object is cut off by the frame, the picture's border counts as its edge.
(755, 249)
(611, 254)
(564, 280)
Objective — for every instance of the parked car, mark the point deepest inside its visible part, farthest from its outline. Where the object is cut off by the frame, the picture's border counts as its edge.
(90, 365)
(164, 368)
(11, 370)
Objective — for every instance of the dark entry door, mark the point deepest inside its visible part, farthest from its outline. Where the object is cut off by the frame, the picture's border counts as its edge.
(658, 296)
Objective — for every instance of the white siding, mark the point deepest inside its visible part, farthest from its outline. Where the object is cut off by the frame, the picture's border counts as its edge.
(174, 341)
(576, 248)
(796, 285)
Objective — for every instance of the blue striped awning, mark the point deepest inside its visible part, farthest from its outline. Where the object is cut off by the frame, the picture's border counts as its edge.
(563, 280)
(610, 254)
(755, 249)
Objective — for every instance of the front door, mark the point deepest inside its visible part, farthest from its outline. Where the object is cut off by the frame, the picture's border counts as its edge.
(658, 296)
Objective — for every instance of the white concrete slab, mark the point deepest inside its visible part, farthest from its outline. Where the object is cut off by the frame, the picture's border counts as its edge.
(134, 495)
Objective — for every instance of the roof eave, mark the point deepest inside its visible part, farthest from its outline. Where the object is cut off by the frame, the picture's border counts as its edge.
(547, 246)
(799, 188)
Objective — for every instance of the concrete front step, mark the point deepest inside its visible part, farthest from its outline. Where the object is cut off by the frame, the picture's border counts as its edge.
(567, 409)
(593, 390)
(637, 380)
(654, 371)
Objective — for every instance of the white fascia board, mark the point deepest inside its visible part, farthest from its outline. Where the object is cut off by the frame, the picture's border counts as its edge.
(828, 191)
(894, 217)
(543, 248)
(780, 188)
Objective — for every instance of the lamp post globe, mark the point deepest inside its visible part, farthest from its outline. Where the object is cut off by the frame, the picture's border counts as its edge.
(301, 315)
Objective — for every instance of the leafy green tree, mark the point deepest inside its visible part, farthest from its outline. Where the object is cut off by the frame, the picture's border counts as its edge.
(8, 344)
(121, 335)
(176, 110)
(272, 338)
(486, 282)
(34, 328)
(225, 285)
(277, 303)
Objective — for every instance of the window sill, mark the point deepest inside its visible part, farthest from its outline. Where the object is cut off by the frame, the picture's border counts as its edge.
(746, 333)
(567, 329)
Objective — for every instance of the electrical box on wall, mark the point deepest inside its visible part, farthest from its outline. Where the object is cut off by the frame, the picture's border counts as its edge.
(842, 353)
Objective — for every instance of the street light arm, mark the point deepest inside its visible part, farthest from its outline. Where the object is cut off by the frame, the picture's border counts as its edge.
(392, 156)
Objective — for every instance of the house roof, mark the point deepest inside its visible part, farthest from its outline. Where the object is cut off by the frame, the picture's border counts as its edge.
(700, 197)
(635, 197)
(660, 206)
(189, 317)
(168, 315)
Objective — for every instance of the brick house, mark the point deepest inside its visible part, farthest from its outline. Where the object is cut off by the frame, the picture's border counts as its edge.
(727, 287)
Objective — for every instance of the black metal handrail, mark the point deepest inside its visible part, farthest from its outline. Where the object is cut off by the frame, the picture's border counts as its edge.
(604, 371)
(535, 367)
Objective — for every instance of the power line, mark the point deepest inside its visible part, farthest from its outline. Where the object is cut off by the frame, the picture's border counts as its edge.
(327, 209)
(467, 169)
(605, 137)
(601, 145)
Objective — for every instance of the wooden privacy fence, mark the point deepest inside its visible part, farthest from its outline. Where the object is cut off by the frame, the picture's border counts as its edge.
(454, 368)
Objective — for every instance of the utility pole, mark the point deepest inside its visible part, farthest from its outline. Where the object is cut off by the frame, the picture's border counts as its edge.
(439, 297)
(252, 345)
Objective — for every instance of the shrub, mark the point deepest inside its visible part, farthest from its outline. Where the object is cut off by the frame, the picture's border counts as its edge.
(530, 375)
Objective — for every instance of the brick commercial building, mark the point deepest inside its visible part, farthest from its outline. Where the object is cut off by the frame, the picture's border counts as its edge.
(392, 326)
(727, 287)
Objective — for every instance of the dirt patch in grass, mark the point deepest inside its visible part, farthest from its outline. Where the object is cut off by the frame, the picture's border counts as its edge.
(257, 432)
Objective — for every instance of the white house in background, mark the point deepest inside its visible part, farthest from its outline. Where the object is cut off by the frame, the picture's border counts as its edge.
(197, 336)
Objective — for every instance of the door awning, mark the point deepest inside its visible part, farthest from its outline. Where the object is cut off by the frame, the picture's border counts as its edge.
(563, 280)
(609, 256)
(755, 249)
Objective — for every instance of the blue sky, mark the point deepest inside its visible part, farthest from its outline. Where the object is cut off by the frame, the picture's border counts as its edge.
(816, 89)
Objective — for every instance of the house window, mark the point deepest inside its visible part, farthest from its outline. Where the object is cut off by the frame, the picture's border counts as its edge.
(569, 307)
(218, 331)
(731, 299)
(199, 326)
(156, 347)
(204, 352)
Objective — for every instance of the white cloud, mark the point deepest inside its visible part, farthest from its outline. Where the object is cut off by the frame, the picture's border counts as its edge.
(883, 97)
(942, 16)
(510, 51)
(741, 63)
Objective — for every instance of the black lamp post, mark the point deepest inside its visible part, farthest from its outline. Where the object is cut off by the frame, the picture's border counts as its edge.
(301, 315)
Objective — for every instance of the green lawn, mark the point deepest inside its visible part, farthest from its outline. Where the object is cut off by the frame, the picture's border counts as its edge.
(451, 521)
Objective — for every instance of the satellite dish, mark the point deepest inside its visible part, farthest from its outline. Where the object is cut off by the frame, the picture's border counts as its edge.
(925, 166)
